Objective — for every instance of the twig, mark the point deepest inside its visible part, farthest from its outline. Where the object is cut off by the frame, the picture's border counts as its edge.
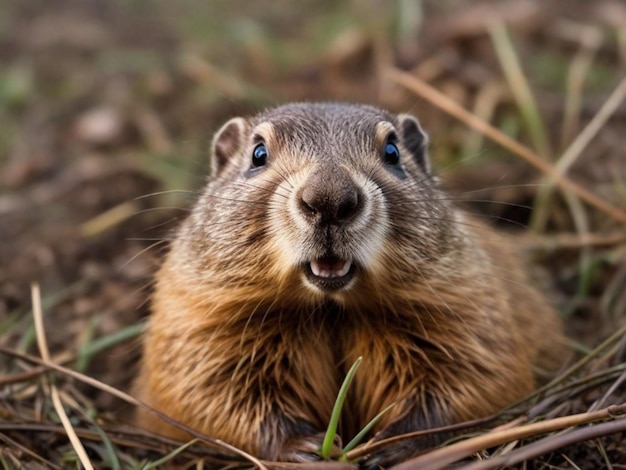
(375, 446)
(131, 438)
(620, 380)
(21, 377)
(438, 99)
(549, 444)
(441, 457)
(584, 361)
(26, 450)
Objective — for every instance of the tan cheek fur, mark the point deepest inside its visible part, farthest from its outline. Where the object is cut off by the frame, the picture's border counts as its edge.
(218, 394)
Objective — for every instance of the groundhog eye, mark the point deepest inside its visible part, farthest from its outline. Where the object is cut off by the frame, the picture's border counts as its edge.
(259, 156)
(392, 154)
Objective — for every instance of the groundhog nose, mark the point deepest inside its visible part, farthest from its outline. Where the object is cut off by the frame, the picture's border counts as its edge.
(329, 202)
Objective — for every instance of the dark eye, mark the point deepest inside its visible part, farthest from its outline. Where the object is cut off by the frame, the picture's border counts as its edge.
(392, 154)
(259, 156)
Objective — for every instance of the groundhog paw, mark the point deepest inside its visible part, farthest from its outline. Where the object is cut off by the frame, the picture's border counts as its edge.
(307, 448)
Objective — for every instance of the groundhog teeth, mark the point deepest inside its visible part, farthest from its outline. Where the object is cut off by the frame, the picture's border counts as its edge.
(325, 269)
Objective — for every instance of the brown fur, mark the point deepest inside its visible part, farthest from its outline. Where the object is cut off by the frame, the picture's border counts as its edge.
(241, 347)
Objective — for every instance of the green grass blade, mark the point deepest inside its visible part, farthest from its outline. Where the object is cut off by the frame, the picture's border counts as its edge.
(90, 349)
(169, 456)
(366, 429)
(110, 451)
(331, 431)
(520, 88)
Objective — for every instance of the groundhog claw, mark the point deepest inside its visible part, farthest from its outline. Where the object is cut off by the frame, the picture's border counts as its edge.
(306, 449)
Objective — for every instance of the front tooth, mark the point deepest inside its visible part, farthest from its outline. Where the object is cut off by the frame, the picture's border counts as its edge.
(315, 269)
(319, 272)
(345, 269)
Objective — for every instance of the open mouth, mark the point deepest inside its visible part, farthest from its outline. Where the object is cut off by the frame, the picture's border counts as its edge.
(330, 272)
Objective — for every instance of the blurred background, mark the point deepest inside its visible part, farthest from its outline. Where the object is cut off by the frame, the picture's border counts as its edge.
(107, 109)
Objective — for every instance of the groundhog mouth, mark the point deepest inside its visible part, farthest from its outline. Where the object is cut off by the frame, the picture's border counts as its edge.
(329, 272)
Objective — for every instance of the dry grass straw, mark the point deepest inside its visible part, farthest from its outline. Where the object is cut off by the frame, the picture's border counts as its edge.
(589, 39)
(54, 392)
(216, 443)
(576, 148)
(46, 364)
(109, 219)
(520, 88)
(438, 99)
(599, 420)
(444, 456)
(440, 458)
(572, 241)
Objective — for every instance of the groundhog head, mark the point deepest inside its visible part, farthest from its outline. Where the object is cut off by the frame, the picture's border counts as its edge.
(330, 194)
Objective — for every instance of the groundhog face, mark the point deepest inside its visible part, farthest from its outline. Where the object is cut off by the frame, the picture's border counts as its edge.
(334, 193)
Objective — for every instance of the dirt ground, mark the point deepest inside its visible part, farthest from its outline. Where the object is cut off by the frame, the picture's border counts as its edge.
(106, 114)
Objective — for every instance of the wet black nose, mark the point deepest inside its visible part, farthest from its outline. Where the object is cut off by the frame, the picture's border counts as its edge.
(330, 198)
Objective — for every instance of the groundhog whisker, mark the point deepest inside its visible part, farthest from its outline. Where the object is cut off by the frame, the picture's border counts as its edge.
(145, 239)
(416, 184)
(283, 178)
(169, 191)
(453, 199)
(145, 250)
(242, 201)
(146, 287)
(232, 181)
(373, 170)
(410, 185)
(162, 208)
(504, 186)
(460, 162)
(475, 215)
(479, 215)
(498, 218)
(260, 188)
(216, 240)
(171, 221)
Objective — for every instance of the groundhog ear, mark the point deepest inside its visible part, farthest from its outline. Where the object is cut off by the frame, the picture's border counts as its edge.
(227, 143)
(415, 140)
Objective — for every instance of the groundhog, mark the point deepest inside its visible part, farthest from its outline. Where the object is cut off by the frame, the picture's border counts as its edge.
(322, 236)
